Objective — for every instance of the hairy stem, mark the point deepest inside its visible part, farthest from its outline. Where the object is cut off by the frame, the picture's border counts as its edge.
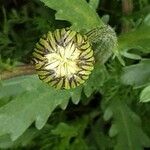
(18, 71)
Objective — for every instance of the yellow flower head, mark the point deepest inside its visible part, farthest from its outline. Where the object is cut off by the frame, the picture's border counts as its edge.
(63, 59)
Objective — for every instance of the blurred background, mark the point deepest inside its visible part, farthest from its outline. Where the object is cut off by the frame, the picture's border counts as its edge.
(22, 23)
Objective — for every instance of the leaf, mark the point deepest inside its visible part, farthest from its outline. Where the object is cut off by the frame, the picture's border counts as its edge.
(76, 94)
(145, 95)
(127, 128)
(136, 39)
(108, 114)
(24, 140)
(131, 56)
(137, 75)
(105, 18)
(65, 130)
(74, 11)
(18, 85)
(70, 136)
(31, 106)
(98, 139)
(36, 101)
(96, 79)
(94, 4)
(147, 19)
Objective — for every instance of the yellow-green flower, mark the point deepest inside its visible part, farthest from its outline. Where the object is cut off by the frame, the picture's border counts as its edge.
(63, 59)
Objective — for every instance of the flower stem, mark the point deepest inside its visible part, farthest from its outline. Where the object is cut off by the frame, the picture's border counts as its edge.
(18, 71)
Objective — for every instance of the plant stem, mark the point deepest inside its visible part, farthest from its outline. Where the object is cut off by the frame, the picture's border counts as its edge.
(127, 8)
(18, 71)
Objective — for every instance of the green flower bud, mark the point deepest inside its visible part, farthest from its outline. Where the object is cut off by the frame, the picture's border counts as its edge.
(63, 59)
(104, 41)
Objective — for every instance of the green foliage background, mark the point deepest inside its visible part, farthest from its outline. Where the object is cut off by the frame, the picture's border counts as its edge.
(107, 112)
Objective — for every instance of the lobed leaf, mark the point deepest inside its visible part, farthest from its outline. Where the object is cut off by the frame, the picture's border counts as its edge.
(77, 12)
(36, 101)
(126, 128)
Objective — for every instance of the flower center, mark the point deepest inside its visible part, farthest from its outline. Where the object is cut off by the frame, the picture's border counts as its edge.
(64, 61)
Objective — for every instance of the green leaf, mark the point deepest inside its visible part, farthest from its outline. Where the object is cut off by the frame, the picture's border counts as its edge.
(94, 4)
(105, 18)
(147, 19)
(18, 85)
(131, 56)
(31, 106)
(76, 94)
(127, 128)
(95, 80)
(65, 130)
(136, 39)
(113, 130)
(145, 95)
(36, 101)
(137, 75)
(77, 12)
(108, 114)
(24, 140)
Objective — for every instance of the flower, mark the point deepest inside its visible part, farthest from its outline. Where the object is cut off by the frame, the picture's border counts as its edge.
(63, 59)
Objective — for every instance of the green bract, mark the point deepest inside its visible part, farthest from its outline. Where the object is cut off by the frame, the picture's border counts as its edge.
(63, 59)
